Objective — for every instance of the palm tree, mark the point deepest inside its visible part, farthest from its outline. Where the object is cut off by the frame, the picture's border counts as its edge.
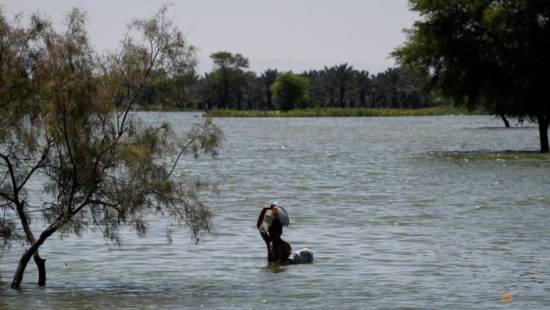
(394, 80)
(364, 86)
(267, 79)
(342, 75)
(227, 65)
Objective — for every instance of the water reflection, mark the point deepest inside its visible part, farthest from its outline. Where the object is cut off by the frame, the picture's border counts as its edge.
(275, 268)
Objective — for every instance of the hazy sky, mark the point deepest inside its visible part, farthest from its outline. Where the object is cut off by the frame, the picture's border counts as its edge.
(285, 34)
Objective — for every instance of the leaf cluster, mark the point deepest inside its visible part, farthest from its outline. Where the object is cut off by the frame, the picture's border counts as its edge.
(290, 91)
(489, 53)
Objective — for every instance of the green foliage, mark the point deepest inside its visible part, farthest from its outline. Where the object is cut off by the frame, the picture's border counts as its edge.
(337, 86)
(290, 91)
(225, 60)
(488, 53)
(267, 78)
(340, 77)
(226, 83)
(8, 231)
(66, 123)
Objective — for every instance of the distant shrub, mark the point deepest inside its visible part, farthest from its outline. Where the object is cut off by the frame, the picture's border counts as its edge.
(289, 91)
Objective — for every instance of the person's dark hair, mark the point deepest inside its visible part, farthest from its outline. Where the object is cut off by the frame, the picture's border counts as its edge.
(276, 228)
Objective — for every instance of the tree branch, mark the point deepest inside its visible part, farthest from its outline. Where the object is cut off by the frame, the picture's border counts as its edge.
(37, 165)
(184, 148)
(104, 203)
(7, 197)
(66, 139)
(154, 55)
(12, 176)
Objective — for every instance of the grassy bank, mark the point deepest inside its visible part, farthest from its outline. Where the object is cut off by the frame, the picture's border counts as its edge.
(161, 108)
(341, 112)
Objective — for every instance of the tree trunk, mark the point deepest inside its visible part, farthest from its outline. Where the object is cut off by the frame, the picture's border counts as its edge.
(24, 260)
(269, 100)
(342, 95)
(18, 276)
(505, 120)
(225, 90)
(543, 133)
(394, 101)
(39, 261)
(41, 265)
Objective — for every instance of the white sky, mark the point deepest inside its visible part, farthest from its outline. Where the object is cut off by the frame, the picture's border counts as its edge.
(284, 34)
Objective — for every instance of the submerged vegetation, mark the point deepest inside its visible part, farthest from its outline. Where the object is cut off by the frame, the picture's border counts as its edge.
(502, 157)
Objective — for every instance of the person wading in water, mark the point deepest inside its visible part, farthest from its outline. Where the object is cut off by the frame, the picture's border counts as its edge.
(278, 250)
(270, 226)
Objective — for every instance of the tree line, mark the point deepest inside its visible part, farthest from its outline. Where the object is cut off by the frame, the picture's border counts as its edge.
(230, 85)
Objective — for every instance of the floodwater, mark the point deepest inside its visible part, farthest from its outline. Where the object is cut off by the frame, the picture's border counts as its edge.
(401, 213)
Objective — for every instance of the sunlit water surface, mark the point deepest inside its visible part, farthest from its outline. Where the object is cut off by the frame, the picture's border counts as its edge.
(415, 213)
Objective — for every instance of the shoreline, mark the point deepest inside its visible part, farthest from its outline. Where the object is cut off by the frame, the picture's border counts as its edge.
(345, 112)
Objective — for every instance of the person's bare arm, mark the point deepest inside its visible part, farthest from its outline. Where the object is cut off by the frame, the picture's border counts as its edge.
(262, 214)
(264, 235)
